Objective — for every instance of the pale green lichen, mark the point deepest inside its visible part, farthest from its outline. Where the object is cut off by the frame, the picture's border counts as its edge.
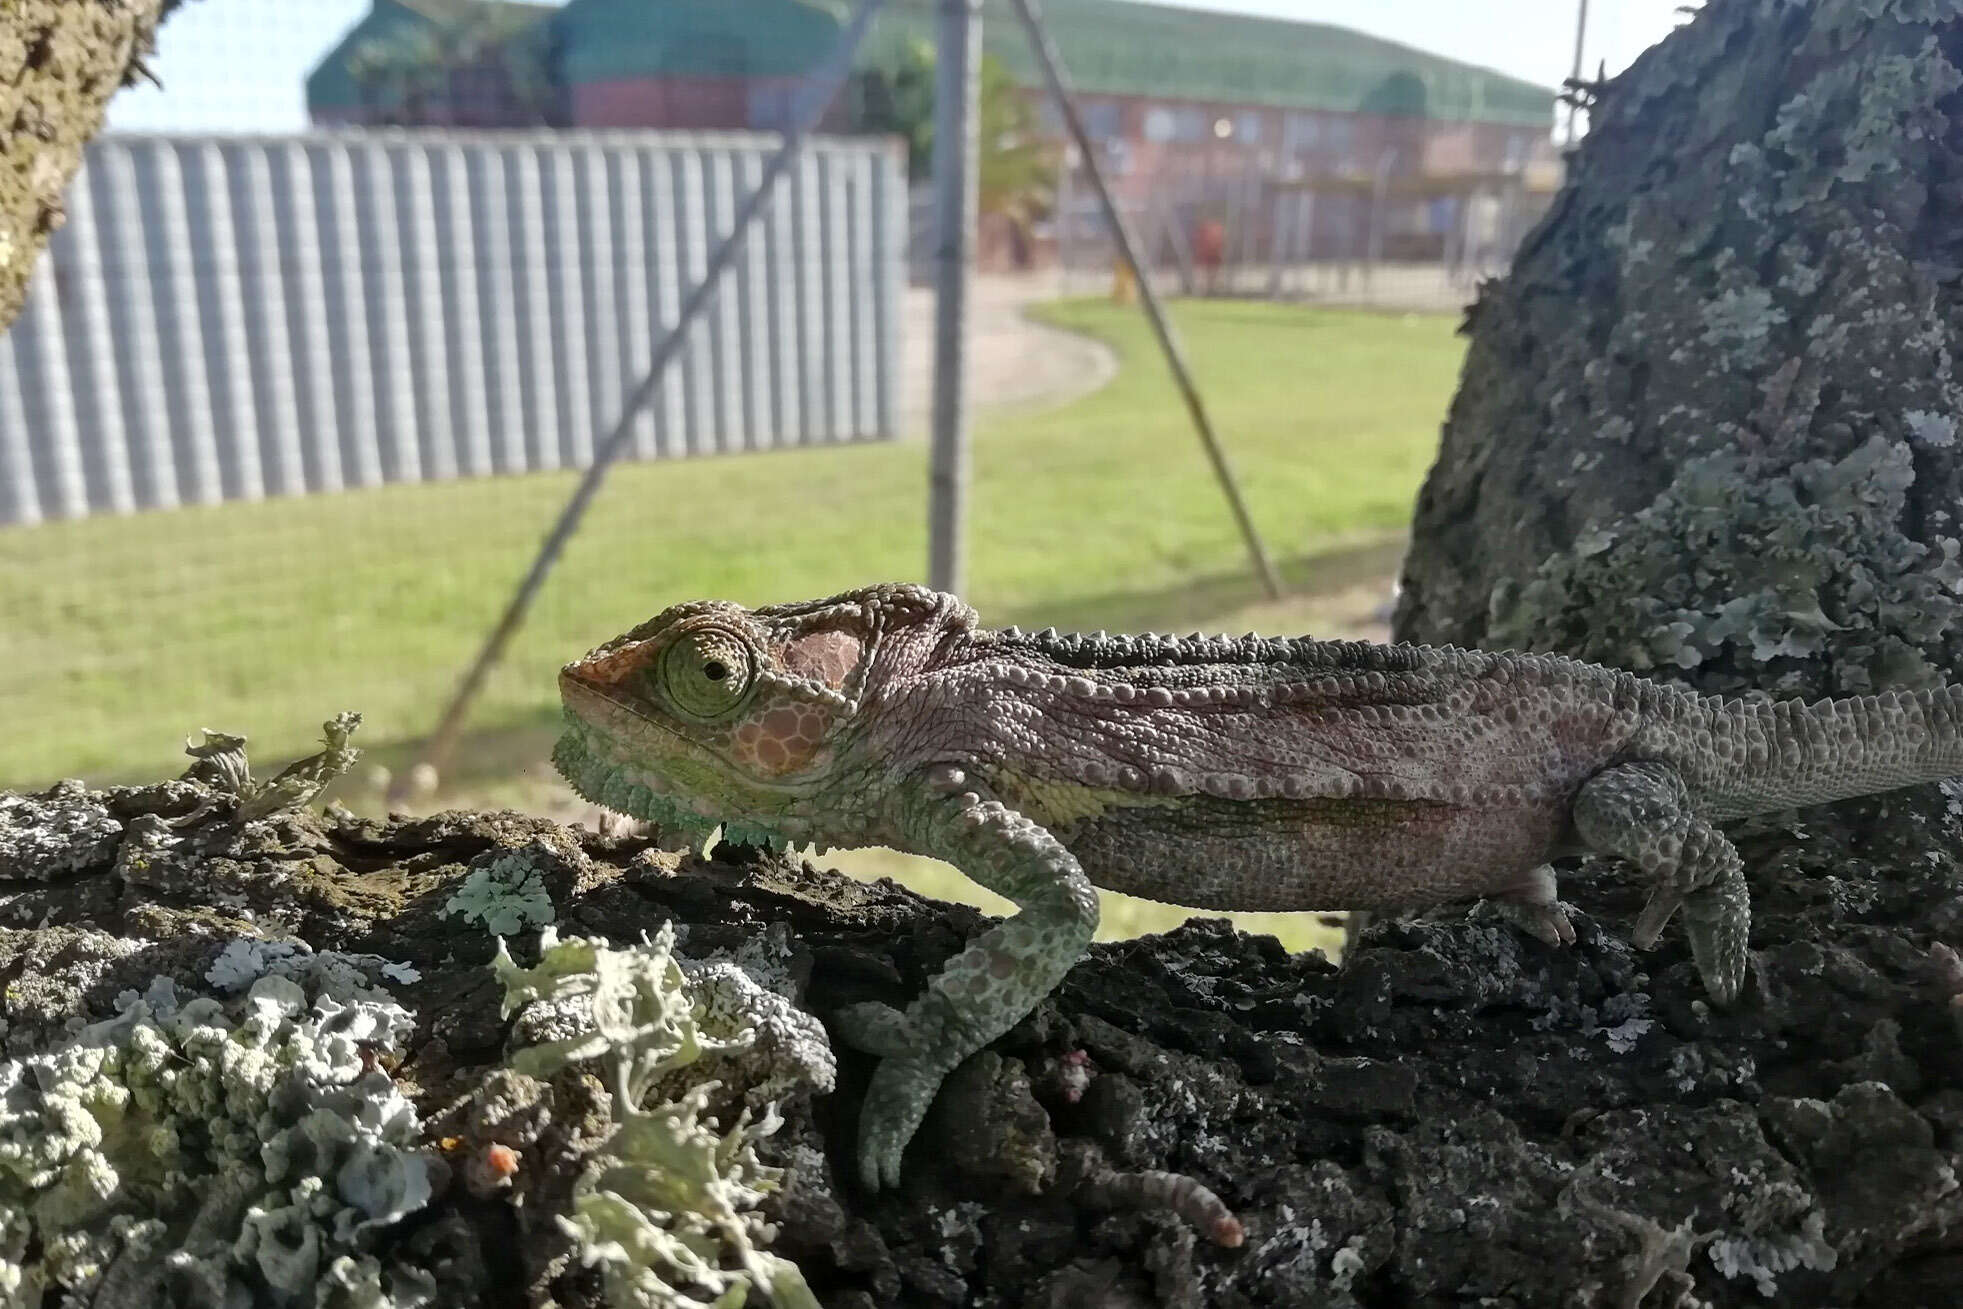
(233, 1152)
(506, 893)
(667, 1206)
(1807, 556)
(219, 762)
(1763, 1258)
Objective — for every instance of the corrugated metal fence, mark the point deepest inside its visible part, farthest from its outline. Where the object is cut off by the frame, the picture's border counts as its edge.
(229, 318)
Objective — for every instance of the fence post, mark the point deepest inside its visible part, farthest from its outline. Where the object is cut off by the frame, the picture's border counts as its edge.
(957, 95)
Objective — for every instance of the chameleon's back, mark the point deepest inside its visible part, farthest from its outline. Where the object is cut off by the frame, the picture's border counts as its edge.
(1262, 773)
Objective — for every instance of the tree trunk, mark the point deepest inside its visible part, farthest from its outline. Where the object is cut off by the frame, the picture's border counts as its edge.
(60, 61)
(1708, 424)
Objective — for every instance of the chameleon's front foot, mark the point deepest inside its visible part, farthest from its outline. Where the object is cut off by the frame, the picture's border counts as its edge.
(987, 988)
(902, 1089)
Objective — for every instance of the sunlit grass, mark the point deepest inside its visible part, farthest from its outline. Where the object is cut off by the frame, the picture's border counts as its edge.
(119, 636)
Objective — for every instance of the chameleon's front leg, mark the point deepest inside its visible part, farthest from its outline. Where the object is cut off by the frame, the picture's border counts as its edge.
(987, 988)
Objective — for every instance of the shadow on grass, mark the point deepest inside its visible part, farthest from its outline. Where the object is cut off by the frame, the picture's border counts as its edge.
(1197, 601)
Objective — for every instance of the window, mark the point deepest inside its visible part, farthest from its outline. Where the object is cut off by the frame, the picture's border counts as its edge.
(1518, 146)
(1164, 123)
(1340, 131)
(1247, 127)
(1103, 119)
(1300, 132)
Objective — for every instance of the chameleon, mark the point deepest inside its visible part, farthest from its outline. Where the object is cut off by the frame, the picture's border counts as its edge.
(1212, 772)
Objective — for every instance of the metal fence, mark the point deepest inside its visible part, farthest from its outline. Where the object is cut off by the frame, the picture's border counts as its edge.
(231, 318)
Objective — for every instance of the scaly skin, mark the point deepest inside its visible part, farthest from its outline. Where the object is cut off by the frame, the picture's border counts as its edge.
(1213, 772)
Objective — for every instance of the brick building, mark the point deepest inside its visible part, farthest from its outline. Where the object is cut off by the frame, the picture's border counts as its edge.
(1195, 111)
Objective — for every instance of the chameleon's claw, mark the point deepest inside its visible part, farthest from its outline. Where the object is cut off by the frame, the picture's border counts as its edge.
(1662, 906)
(896, 1102)
(1547, 923)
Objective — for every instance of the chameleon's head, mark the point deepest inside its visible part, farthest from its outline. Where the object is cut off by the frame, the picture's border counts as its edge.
(710, 712)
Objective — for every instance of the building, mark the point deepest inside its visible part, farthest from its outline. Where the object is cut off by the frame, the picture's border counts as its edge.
(1304, 135)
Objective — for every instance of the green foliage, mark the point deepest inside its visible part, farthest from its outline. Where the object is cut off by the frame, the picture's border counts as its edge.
(408, 72)
(1017, 166)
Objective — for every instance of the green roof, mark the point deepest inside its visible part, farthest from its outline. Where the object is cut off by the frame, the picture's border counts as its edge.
(1110, 47)
(398, 22)
(601, 40)
(1120, 47)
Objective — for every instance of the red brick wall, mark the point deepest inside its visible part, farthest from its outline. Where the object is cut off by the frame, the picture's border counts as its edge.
(688, 102)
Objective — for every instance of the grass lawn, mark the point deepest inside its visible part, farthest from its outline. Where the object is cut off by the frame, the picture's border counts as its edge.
(123, 635)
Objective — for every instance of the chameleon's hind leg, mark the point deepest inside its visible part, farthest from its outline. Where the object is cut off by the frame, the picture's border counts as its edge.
(1642, 813)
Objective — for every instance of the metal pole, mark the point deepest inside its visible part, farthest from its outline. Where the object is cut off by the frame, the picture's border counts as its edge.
(1580, 31)
(825, 89)
(1046, 56)
(957, 155)
(1065, 204)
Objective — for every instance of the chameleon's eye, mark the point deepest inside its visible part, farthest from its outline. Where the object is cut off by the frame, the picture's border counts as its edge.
(705, 673)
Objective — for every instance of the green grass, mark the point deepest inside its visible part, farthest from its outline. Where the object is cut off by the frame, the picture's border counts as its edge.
(123, 635)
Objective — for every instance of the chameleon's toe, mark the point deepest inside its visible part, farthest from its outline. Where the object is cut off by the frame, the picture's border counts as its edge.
(1662, 906)
(1547, 923)
(896, 1102)
(876, 1029)
(1719, 942)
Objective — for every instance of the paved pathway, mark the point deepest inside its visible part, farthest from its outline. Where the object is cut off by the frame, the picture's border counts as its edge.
(1012, 361)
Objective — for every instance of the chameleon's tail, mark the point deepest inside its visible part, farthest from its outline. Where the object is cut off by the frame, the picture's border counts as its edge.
(1756, 757)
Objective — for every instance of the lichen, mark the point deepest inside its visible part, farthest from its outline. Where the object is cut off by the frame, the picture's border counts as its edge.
(505, 892)
(232, 1152)
(57, 834)
(1707, 423)
(667, 1205)
(1812, 554)
(1762, 1259)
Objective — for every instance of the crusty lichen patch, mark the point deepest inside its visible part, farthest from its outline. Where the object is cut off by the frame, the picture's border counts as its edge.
(216, 1151)
(1707, 425)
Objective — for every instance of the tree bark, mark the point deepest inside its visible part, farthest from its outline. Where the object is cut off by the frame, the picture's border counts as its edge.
(1458, 1114)
(60, 62)
(1708, 423)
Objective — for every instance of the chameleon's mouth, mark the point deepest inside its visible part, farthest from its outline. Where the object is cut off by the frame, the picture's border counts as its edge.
(594, 705)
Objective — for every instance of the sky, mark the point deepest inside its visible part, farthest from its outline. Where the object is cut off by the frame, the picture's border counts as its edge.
(238, 65)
